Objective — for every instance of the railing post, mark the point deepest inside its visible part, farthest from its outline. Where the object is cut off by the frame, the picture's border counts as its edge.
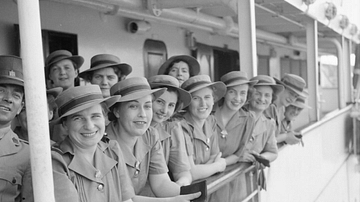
(36, 103)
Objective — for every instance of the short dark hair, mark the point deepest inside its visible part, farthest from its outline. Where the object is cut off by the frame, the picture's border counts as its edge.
(88, 77)
(177, 61)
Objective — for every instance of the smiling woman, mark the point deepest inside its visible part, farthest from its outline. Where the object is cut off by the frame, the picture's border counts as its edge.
(86, 165)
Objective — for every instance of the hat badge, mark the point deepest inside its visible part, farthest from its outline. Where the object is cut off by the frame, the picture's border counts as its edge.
(12, 73)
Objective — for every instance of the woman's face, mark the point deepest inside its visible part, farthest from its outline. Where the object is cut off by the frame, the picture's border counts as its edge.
(287, 97)
(87, 127)
(105, 78)
(63, 74)
(201, 104)
(164, 106)
(235, 97)
(134, 117)
(261, 98)
(180, 71)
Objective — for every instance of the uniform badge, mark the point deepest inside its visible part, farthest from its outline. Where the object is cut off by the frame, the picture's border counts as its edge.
(12, 73)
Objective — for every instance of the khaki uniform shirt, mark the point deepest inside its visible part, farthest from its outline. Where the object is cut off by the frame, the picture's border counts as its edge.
(202, 143)
(15, 169)
(147, 157)
(234, 136)
(75, 179)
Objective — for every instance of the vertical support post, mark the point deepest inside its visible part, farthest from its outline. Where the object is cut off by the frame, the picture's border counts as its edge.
(36, 102)
(345, 81)
(312, 68)
(247, 37)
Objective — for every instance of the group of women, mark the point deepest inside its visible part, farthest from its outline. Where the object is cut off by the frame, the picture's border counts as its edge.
(138, 139)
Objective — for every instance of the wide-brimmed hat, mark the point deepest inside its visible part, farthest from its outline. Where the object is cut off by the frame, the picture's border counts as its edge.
(194, 66)
(134, 88)
(159, 81)
(300, 103)
(235, 78)
(294, 83)
(54, 91)
(103, 61)
(59, 55)
(265, 80)
(79, 98)
(11, 70)
(199, 82)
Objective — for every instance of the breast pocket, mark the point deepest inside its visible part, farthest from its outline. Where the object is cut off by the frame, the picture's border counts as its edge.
(10, 182)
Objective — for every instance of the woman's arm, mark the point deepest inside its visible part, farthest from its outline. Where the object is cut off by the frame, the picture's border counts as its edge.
(201, 171)
(180, 198)
(162, 186)
(183, 178)
(288, 137)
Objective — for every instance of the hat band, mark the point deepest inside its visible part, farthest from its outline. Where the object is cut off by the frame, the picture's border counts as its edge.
(100, 62)
(56, 58)
(264, 82)
(129, 90)
(292, 85)
(235, 79)
(300, 100)
(75, 102)
(194, 85)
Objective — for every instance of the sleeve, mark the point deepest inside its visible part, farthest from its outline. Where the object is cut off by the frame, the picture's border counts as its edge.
(215, 149)
(157, 158)
(64, 189)
(27, 188)
(127, 189)
(187, 137)
(178, 161)
(270, 145)
(249, 124)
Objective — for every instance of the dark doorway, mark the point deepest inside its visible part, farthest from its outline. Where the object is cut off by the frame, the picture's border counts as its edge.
(225, 61)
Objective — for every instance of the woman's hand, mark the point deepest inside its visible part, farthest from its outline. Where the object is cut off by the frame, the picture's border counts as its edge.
(291, 139)
(248, 157)
(221, 162)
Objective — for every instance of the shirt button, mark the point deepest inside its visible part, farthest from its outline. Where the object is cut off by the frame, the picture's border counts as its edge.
(208, 140)
(100, 187)
(207, 148)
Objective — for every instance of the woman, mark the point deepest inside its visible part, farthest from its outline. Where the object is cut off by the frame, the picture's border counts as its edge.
(61, 69)
(131, 117)
(234, 126)
(105, 71)
(262, 142)
(171, 134)
(182, 67)
(87, 166)
(200, 128)
(293, 87)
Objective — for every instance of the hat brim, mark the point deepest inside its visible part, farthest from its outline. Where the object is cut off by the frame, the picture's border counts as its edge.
(236, 83)
(300, 93)
(11, 80)
(277, 88)
(109, 101)
(54, 91)
(184, 96)
(194, 66)
(301, 105)
(142, 93)
(78, 60)
(125, 69)
(219, 89)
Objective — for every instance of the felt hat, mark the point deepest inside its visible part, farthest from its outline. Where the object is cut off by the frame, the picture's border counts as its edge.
(54, 91)
(59, 55)
(134, 88)
(265, 80)
(159, 81)
(300, 103)
(235, 78)
(294, 83)
(79, 98)
(103, 61)
(11, 70)
(194, 66)
(199, 82)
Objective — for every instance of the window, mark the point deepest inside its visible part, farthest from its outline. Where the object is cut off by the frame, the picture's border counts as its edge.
(155, 54)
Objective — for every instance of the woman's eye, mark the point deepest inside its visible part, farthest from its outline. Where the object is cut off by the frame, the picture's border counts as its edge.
(172, 105)
(148, 106)
(133, 107)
